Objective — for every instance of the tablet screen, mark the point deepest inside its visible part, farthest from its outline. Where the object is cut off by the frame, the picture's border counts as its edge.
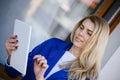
(20, 56)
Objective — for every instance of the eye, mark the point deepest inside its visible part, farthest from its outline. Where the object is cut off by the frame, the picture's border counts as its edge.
(81, 27)
(89, 33)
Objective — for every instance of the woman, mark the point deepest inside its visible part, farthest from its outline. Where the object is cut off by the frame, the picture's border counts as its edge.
(56, 59)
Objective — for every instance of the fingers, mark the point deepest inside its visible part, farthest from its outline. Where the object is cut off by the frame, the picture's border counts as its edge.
(36, 56)
(40, 66)
(12, 39)
(45, 66)
(11, 44)
(40, 61)
(13, 36)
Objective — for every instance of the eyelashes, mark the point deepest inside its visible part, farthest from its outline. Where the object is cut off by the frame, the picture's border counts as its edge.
(89, 32)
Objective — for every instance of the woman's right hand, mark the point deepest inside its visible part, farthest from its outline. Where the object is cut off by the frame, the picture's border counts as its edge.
(11, 45)
(40, 66)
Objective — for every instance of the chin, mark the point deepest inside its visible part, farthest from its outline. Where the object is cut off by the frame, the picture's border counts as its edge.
(78, 44)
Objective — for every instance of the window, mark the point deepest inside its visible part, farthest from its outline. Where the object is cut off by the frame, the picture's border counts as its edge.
(57, 18)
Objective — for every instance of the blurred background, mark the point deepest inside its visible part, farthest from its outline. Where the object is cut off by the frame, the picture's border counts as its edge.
(57, 18)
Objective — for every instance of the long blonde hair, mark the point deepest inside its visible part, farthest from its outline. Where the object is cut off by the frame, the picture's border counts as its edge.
(88, 64)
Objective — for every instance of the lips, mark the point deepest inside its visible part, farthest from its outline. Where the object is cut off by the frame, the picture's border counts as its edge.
(78, 39)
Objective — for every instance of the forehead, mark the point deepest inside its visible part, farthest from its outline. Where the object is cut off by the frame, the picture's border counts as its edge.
(87, 23)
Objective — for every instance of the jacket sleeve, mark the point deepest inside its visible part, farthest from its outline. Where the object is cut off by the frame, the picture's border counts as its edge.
(40, 49)
(11, 71)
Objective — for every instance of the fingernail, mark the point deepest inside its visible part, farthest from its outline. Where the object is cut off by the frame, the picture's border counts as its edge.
(16, 40)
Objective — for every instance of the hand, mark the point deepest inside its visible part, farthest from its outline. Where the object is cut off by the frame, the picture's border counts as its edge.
(40, 66)
(11, 45)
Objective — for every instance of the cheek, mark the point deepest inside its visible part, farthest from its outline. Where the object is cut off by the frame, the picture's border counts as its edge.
(77, 44)
(86, 38)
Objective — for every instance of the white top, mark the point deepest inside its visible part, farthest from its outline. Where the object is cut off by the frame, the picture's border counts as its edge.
(63, 60)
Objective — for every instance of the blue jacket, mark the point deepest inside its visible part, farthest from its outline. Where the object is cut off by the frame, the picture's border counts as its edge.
(52, 50)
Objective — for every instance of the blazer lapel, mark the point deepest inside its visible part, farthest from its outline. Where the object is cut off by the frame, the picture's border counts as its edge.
(56, 53)
(61, 75)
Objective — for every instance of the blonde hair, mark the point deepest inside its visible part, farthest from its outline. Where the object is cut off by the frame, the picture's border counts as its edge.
(88, 64)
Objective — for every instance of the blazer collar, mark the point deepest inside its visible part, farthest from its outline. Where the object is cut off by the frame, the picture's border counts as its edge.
(57, 53)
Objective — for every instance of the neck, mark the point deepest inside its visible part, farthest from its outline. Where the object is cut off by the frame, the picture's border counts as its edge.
(75, 51)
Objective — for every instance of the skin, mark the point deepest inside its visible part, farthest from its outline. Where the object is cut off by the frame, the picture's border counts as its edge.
(40, 66)
(11, 45)
(82, 35)
(40, 63)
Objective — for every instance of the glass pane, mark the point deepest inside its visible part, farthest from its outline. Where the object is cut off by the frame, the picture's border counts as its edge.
(56, 18)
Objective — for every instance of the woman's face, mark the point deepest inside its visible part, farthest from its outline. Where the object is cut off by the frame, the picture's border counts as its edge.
(83, 33)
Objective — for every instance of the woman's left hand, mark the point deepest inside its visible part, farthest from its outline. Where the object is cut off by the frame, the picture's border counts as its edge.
(40, 66)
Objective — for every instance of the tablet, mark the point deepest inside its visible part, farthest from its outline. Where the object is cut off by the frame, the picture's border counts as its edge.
(20, 56)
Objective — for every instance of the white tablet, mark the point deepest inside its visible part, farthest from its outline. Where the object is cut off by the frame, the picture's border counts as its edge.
(20, 56)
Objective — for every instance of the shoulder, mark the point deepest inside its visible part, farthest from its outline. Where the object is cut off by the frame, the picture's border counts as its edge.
(52, 42)
(58, 42)
(55, 40)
